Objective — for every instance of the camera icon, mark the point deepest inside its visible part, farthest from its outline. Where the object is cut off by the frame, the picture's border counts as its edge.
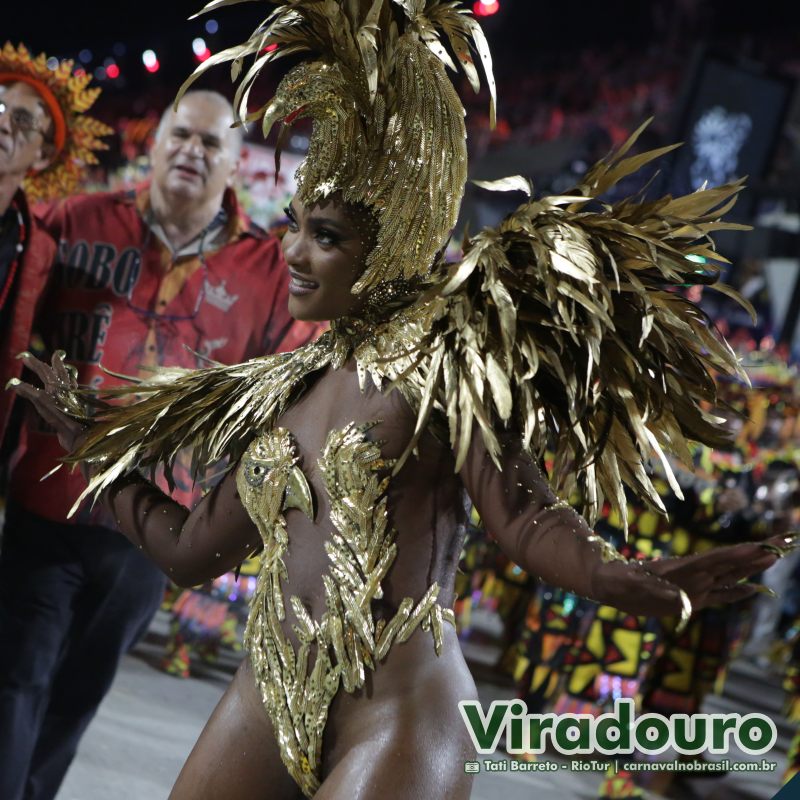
(472, 766)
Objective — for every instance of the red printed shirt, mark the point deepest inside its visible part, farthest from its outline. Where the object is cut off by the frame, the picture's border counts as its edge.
(121, 300)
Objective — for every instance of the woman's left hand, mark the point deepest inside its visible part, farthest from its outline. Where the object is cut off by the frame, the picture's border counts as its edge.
(720, 575)
(52, 400)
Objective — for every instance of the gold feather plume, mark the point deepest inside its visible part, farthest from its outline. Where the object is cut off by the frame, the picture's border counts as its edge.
(388, 126)
(563, 324)
(566, 324)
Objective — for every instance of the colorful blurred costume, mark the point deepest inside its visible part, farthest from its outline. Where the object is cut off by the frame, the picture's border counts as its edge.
(205, 619)
(572, 656)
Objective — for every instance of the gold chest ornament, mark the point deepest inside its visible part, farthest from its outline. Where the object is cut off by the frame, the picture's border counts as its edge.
(297, 686)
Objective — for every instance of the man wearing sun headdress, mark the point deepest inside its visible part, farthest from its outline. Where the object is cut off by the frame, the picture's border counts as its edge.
(44, 141)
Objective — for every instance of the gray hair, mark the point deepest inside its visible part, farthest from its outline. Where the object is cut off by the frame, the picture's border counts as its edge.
(236, 135)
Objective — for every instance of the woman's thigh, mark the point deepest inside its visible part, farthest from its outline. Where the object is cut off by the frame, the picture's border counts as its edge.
(236, 756)
(403, 737)
(410, 767)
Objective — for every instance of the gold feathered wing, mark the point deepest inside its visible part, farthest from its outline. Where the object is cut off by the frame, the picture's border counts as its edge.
(215, 412)
(566, 324)
(563, 324)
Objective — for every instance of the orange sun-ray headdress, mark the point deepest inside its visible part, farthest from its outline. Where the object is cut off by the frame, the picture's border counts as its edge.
(76, 136)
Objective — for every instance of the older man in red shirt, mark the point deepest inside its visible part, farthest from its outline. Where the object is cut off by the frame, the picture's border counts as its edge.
(46, 138)
(26, 251)
(172, 274)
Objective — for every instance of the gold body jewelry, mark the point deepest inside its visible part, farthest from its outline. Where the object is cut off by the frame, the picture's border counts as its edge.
(298, 685)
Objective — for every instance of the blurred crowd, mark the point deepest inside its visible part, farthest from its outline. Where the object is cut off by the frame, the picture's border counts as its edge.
(566, 654)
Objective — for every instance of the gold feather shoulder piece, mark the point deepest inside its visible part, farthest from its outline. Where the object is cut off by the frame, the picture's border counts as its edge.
(214, 411)
(567, 323)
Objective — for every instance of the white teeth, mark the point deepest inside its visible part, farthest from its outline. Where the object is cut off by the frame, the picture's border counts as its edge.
(303, 284)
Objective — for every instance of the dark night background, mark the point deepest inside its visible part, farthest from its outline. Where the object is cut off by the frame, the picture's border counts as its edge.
(523, 33)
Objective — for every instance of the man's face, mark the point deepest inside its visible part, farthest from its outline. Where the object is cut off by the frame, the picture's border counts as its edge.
(195, 154)
(24, 130)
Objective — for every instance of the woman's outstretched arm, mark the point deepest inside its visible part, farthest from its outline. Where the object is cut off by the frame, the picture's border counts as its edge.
(189, 546)
(547, 538)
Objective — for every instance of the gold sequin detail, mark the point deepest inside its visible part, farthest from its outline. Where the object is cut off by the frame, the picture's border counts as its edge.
(297, 686)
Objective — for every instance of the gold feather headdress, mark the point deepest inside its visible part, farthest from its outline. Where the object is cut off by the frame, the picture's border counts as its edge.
(388, 126)
(76, 136)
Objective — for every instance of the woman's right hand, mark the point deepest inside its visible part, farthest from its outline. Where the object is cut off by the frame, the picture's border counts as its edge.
(54, 399)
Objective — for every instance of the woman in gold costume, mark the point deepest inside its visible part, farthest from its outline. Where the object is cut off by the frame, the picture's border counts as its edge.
(347, 459)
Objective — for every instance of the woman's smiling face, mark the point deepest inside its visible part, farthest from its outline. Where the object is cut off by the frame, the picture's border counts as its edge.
(325, 248)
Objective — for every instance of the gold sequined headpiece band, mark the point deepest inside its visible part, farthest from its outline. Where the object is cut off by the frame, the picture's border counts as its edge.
(388, 127)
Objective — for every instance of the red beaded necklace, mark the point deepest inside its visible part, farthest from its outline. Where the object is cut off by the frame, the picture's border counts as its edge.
(12, 269)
